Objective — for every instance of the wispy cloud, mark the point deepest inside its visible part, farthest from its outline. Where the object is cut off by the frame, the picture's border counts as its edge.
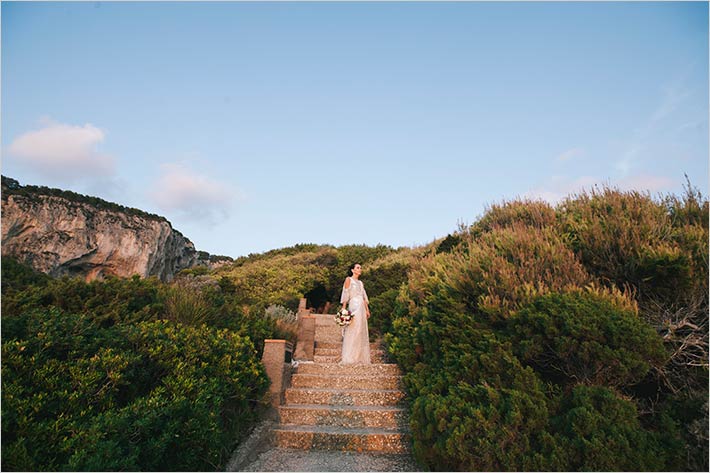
(646, 182)
(672, 98)
(65, 152)
(559, 187)
(191, 195)
(570, 154)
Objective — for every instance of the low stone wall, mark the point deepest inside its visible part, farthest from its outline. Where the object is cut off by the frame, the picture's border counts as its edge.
(277, 361)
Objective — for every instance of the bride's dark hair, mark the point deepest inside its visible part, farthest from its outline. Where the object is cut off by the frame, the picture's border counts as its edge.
(350, 269)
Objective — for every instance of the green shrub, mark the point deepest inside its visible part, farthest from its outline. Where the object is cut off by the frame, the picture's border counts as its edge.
(285, 322)
(150, 396)
(382, 308)
(507, 323)
(493, 274)
(478, 411)
(583, 337)
(109, 302)
(532, 213)
(598, 431)
(448, 244)
(626, 238)
(188, 305)
(17, 277)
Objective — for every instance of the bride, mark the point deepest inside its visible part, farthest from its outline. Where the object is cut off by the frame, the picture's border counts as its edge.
(356, 341)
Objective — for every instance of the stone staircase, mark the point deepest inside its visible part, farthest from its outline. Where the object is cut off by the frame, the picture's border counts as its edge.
(352, 407)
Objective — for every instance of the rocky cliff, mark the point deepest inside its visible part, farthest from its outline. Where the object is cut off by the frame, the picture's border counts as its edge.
(64, 233)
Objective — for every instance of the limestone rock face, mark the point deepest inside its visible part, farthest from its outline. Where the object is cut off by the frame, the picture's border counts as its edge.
(63, 236)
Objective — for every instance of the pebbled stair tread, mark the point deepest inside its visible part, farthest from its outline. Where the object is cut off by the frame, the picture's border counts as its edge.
(349, 390)
(354, 376)
(337, 407)
(332, 429)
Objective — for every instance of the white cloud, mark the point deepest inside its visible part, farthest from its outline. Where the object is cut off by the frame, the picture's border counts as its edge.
(66, 152)
(191, 195)
(646, 182)
(570, 153)
(559, 187)
(673, 97)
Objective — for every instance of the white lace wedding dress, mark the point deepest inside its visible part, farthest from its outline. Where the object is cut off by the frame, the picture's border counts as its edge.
(356, 340)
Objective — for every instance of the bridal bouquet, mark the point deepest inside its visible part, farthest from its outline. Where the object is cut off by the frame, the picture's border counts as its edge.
(343, 317)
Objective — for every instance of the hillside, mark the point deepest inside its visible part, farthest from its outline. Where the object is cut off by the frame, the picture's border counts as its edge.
(572, 337)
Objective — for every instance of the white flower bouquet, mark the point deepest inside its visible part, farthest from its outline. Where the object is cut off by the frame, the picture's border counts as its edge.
(343, 317)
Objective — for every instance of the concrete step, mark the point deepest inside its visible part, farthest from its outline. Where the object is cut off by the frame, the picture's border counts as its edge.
(374, 358)
(339, 346)
(338, 438)
(328, 335)
(344, 397)
(326, 328)
(374, 369)
(385, 417)
(345, 381)
(338, 350)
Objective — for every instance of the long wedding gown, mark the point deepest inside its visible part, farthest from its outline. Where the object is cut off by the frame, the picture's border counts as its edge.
(356, 341)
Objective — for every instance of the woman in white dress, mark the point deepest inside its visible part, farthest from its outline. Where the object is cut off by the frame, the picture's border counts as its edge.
(356, 340)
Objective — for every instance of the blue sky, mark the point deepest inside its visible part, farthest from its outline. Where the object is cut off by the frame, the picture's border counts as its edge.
(254, 126)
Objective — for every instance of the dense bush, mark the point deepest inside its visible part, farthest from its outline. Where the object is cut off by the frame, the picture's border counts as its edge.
(285, 322)
(498, 271)
(114, 300)
(129, 374)
(583, 337)
(317, 272)
(595, 430)
(477, 410)
(627, 238)
(146, 396)
(281, 279)
(539, 338)
(536, 214)
(528, 341)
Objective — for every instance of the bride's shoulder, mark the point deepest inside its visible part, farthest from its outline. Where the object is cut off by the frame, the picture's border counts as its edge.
(347, 282)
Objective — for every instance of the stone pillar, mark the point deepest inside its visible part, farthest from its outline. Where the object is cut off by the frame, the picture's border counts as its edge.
(305, 346)
(277, 361)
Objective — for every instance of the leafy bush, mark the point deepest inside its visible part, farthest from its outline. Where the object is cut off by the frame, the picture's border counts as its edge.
(595, 430)
(150, 396)
(282, 279)
(626, 238)
(524, 318)
(284, 276)
(478, 411)
(17, 277)
(382, 307)
(111, 301)
(285, 320)
(531, 213)
(583, 337)
(448, 244)
(188, 304)
(495, 273)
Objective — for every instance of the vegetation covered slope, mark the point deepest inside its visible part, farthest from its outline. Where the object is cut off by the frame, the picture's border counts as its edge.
(567, 338)
(539, 338)
(126, 374)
